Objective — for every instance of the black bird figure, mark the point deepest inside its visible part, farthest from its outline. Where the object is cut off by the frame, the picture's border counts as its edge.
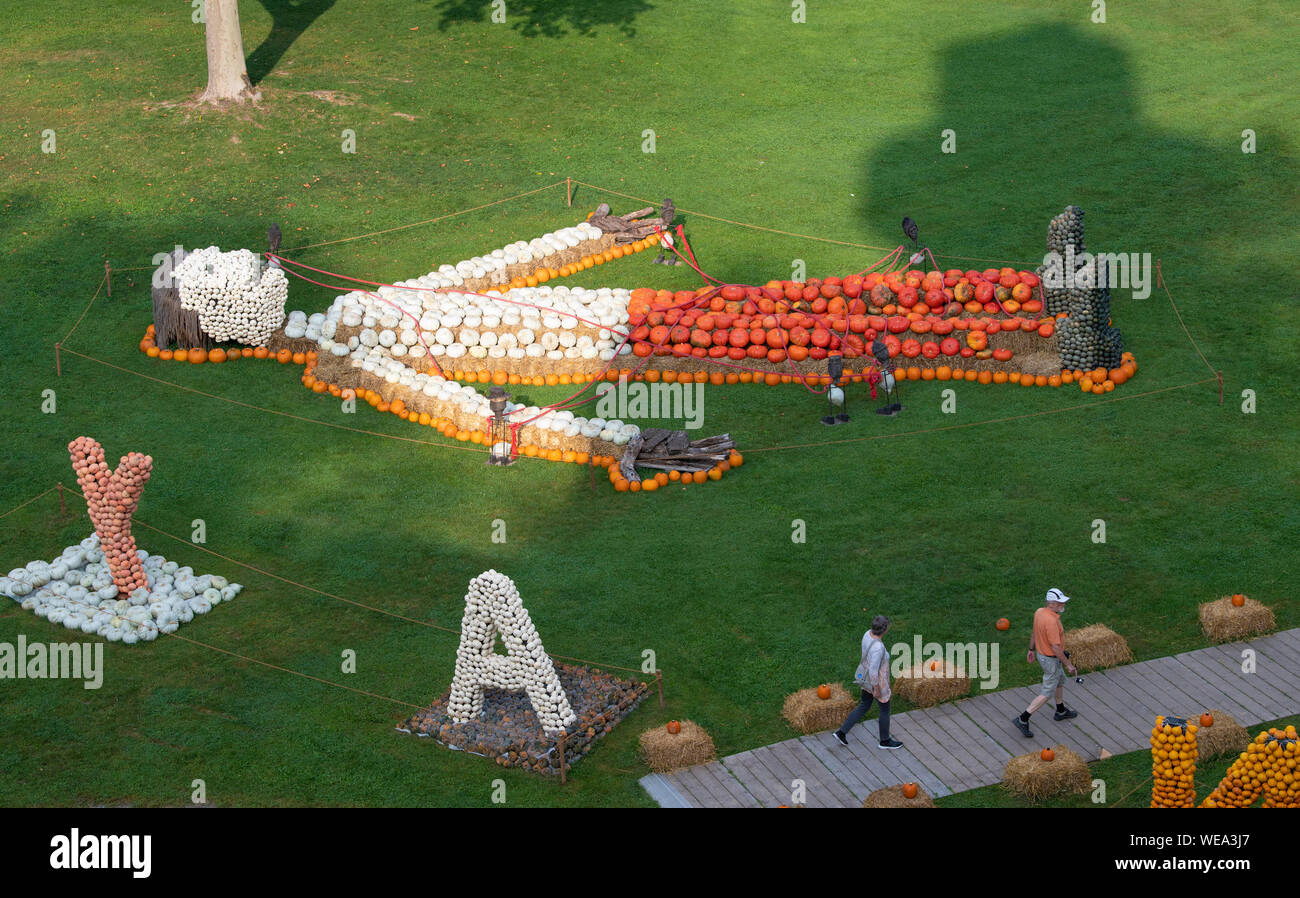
(910, 229)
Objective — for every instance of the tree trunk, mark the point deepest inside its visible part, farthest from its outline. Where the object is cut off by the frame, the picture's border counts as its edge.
(227, 74)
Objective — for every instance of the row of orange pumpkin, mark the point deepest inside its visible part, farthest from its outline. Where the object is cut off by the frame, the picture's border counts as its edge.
(543, 274)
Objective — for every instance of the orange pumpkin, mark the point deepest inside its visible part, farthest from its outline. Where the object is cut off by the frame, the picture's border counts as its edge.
(1003, 624)
(1238, 600)
(909, 790)
(1207, 719)
(1047, 754)
(674, 727)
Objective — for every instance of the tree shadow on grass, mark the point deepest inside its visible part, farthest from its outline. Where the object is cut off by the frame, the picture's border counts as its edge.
(289, 19)
(549, 18)
(1051, 115)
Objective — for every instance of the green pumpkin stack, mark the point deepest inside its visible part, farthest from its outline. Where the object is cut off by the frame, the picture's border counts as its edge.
(1086, 338)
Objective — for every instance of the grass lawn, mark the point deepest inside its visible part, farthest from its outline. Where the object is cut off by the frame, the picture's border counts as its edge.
(828, 128)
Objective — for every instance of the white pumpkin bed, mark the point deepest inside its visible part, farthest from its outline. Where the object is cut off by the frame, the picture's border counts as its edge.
(76, 590)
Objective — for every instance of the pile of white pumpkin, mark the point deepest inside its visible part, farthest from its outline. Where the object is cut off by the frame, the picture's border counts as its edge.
(493, 606)
(451, 326)
(236, 296)
(521, 252)
(77, 590)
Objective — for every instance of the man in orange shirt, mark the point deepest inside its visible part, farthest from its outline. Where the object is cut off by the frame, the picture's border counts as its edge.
(1047, 643)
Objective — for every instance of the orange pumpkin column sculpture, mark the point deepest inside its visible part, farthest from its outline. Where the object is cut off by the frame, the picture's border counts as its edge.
(111, 500)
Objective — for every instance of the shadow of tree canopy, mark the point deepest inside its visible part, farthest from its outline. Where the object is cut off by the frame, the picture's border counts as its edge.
(289, 19)
(1050, 115)
(548, 18)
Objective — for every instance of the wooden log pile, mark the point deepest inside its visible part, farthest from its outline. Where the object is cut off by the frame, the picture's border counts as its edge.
(173, 324)
(627, 228)
(672, 450)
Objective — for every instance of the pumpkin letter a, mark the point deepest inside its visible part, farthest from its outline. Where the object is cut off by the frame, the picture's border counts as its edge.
(493, 607)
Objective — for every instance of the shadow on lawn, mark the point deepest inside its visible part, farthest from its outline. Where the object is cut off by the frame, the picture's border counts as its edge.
(289, 19)
(1051, 115)
(548, 18)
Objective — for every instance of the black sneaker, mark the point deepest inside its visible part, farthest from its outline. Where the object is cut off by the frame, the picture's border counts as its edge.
(1023, 726)
(890, 744)
(839, 737)
(1067, 714)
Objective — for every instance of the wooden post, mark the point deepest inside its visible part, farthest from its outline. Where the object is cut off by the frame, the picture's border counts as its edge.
(568, 191)
(108, 278)
(563, 764)
(63, 509)
(58, 363)
(1219, 375)
(659, 682)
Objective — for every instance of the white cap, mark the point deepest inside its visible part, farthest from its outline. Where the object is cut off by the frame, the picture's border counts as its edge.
(1055, 595)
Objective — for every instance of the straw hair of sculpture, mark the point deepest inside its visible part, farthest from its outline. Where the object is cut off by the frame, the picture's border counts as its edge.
(1224, 737)
(809, 714)
(924, 687)
(1223, 621)
(1096, 646)
(665, 752)
(1029, 775)
(893, 797)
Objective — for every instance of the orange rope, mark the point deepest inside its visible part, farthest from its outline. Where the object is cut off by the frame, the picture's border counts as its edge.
(909, 433)
(30, 501)
(266, 573)
(296, 673)
(84, 311)
(754, 227)
(274, 411)
(416, 224)
(1160, 279)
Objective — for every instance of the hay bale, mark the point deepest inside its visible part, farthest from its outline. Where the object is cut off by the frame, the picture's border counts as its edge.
(1223, 621)
(809, 714)
(924, 687)
(1225, 737)
(1096, 646)
(665, 752)
(893, 797)
(1029, 775)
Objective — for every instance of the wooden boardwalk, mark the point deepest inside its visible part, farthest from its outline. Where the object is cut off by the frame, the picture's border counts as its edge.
(965, 744)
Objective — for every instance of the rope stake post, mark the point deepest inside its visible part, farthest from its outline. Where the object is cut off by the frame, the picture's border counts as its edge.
(63, 508)
(108, 278)
(659, 684)
(568, 191)
(58, 362)
(563, 764)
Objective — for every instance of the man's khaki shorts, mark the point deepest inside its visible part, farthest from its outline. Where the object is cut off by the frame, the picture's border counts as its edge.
(1053, 674)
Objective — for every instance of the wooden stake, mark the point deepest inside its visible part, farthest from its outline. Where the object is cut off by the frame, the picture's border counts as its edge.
(659, 682)
(63, 509)
(568, 191)
(58, 363)
(108, 278)
(563, 765)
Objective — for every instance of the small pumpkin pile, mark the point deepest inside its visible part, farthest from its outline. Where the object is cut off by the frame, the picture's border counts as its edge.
(1173, 763)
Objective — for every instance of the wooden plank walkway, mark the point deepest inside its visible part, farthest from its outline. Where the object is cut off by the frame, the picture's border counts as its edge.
(965, 744)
